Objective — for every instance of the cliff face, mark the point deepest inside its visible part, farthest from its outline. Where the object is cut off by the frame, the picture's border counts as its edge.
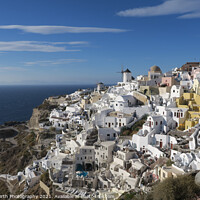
(41, 114)
(34, 120)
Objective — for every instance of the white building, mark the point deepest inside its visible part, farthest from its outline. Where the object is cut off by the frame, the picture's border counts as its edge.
(176, 91)
(107, 134)
(85, 158)
(124, 101)
(104, 153)
(58, 118)
(151, 138)
(116, 120)
(72, 146)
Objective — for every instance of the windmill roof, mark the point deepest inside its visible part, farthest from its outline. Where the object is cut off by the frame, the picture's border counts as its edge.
(127, 71)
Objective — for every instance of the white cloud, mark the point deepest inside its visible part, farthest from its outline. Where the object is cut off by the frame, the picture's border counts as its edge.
(32, 46)
(61, 29)
(72, 43)
(12, 69)
(190, 15)
(185, 8)
(54, 62)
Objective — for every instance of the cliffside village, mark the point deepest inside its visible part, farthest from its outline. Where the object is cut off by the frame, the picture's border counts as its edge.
(93, 157)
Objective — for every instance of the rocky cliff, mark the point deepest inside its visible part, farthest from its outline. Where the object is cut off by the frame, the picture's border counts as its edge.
(40, 114)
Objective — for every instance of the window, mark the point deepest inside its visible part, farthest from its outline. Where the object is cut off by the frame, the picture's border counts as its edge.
(116, 104)
(163, 175)
(156, 123)
(160, 122)
(108, 135)
(175, 114)
(173, 91)
(181, 114)
(85, 157)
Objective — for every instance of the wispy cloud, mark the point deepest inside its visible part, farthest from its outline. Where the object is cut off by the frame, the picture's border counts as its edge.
(33, 46)
(45, 30)
(184, 8)
(54, 62)
(73, 43)
(12, 69)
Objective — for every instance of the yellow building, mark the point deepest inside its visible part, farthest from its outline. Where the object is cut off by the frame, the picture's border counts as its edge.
(169, 171)
(196, 85)
(190, 123)
(84, 103)
(192, 102)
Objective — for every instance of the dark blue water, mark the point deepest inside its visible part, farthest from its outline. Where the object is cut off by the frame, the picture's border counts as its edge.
(17, 102)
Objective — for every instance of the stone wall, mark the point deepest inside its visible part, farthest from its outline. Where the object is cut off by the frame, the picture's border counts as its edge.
(140, 97)
(45, 187)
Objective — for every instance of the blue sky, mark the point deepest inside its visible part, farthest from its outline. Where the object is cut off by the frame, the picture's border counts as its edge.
(87, 41)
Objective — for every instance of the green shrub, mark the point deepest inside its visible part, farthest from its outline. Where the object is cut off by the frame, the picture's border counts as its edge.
(180, 188)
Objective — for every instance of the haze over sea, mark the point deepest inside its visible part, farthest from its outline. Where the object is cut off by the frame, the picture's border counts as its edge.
(17, 102)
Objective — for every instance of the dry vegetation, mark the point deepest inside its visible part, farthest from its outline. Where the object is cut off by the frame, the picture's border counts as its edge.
(135, 128)
(181, 188)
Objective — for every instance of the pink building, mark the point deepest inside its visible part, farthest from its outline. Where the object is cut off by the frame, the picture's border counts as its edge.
(168, 81)
(195, 73)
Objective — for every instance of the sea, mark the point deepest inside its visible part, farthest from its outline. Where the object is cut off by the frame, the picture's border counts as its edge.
(17, 102)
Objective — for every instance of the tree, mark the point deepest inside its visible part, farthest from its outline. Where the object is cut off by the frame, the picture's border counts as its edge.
(180, 188)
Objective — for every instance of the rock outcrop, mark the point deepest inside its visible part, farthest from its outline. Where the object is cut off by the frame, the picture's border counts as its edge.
(34, 120)
(41, 114)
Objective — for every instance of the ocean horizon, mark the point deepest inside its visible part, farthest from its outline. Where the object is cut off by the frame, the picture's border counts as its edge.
(17, 101)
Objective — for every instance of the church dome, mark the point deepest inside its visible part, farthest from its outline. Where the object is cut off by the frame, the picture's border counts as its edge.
(155, 69)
